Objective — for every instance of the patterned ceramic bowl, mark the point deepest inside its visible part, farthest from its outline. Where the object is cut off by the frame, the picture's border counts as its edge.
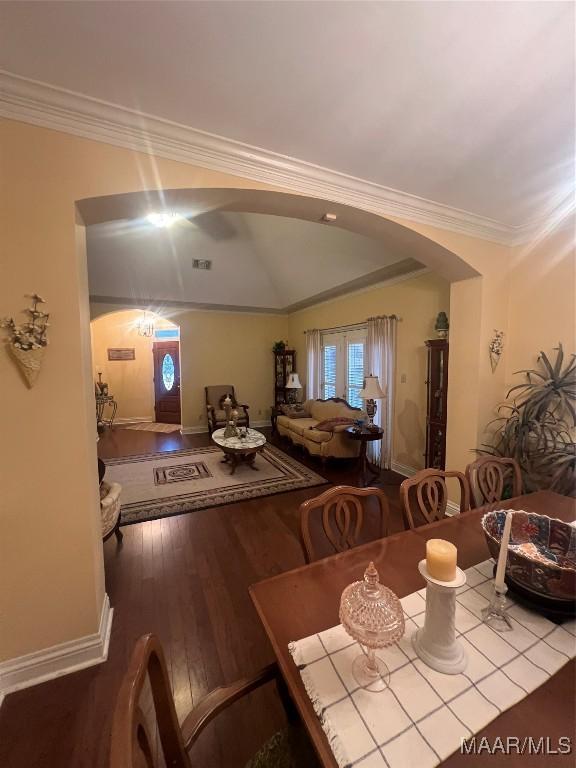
(541, 553)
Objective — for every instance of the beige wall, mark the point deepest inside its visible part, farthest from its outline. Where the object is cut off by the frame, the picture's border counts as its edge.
(417, 302)
(130, 381)
(215, 348)
(51, 567)
(228, 348)
(51, 572)
(542, 300)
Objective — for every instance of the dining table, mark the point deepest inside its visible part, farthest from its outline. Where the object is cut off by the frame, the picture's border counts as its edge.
(305, 601)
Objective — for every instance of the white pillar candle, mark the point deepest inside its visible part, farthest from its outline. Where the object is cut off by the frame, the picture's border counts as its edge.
(441, 559)
(503, 554)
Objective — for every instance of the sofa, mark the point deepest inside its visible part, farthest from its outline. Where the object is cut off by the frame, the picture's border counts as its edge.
(319, 442)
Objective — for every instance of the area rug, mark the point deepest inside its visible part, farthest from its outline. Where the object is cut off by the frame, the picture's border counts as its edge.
(152, 426)
(162, 484)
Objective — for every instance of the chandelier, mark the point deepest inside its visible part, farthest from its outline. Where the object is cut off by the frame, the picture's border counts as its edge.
(146, 326)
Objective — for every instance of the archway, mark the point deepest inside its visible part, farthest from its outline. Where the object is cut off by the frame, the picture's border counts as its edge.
(136, 363)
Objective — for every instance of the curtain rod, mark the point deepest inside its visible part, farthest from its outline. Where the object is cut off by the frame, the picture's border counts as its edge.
(355, 325)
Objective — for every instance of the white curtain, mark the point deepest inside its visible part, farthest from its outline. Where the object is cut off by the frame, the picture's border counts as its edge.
(314, 364)
(381, 361)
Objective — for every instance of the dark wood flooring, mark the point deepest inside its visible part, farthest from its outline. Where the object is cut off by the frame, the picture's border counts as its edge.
(186, 579)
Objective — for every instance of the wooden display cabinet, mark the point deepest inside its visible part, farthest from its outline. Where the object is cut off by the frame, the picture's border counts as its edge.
(437, 390)
(284, 365)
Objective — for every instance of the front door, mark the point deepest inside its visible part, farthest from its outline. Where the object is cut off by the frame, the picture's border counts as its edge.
(167, 381)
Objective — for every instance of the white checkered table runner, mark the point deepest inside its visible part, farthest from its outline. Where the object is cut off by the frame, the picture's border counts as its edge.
(423, 716)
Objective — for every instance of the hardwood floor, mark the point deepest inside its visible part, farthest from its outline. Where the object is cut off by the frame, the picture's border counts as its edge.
(186, 579)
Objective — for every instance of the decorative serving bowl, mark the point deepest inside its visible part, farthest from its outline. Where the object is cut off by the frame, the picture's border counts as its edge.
(541, 552)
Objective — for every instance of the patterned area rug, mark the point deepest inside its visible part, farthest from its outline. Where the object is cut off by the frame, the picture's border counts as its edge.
(153, 426)
(162, 484)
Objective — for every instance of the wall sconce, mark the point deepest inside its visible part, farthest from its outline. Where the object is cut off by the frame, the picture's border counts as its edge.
(496, 347)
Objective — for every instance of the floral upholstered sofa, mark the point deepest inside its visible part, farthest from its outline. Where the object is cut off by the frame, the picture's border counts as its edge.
(320, 427)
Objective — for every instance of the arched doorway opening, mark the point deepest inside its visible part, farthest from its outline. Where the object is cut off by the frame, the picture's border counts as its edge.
(136, 365)
(208, 209)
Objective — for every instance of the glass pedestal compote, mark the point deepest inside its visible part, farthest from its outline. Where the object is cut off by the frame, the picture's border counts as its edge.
(372, 615)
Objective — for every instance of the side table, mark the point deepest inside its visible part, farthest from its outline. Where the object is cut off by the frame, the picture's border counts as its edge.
(101, 402)
(365, 436)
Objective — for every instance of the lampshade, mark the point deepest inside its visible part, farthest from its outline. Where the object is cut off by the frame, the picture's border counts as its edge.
(293, 381)
(372, 389)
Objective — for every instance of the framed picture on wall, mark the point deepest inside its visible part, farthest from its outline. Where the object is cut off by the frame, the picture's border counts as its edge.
(121, 353)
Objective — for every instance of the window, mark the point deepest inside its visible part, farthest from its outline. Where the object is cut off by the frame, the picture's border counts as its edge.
(167, 333)
(329, 370)
(168, 372)
(343, 358)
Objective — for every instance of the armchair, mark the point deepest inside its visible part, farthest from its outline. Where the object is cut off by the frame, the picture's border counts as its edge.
(215, 396)
(110, 509)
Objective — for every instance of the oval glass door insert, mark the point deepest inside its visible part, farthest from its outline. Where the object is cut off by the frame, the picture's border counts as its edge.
(168, 371)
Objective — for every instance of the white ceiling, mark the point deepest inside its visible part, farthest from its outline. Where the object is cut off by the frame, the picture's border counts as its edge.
(258, 261)
(470, 104)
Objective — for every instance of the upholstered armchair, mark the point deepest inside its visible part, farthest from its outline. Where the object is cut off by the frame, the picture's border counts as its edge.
(110, 509)
(215, 396)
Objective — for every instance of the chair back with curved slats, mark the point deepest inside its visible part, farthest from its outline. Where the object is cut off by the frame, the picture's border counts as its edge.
(338, 517)
(491, 478)
(425, 496)
(145, 729)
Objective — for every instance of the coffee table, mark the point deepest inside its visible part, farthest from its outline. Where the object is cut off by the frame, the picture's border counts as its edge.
(240, 450)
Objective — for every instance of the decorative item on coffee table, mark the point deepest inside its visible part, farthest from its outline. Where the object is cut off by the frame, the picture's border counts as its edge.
(231, 418)
(240, 449)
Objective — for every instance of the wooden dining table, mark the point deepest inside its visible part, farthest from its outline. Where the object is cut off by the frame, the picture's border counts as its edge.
(306, 600)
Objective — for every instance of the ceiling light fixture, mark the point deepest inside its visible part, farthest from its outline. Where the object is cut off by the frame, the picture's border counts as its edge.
(146, 326)
(163, 219)
(329, 218)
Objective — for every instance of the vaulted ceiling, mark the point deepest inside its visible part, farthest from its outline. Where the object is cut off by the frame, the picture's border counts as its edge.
(258, 262)
(469, 104)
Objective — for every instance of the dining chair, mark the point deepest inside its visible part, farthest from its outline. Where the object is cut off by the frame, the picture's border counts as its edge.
(337, 518)
(425, 495)
(145, 728)
(491, 478)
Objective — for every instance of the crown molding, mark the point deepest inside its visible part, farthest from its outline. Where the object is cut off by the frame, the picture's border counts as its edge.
(48, 106)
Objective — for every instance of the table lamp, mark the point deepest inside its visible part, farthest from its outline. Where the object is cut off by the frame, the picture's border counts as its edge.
(371, 392)
(292, 385)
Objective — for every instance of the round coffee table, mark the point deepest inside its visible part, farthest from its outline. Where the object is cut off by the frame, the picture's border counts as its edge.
(240, 450)
(365, 436)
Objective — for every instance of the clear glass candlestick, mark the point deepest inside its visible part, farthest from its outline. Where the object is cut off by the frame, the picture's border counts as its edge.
(495, 613)
(372, 615)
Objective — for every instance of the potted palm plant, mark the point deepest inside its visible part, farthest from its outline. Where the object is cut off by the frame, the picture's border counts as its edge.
(537, 425)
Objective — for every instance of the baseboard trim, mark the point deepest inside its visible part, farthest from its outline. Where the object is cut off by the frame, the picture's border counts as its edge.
(135, 420)
(194, 430)
(203, 429)
(403, 469)
(58, 660)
